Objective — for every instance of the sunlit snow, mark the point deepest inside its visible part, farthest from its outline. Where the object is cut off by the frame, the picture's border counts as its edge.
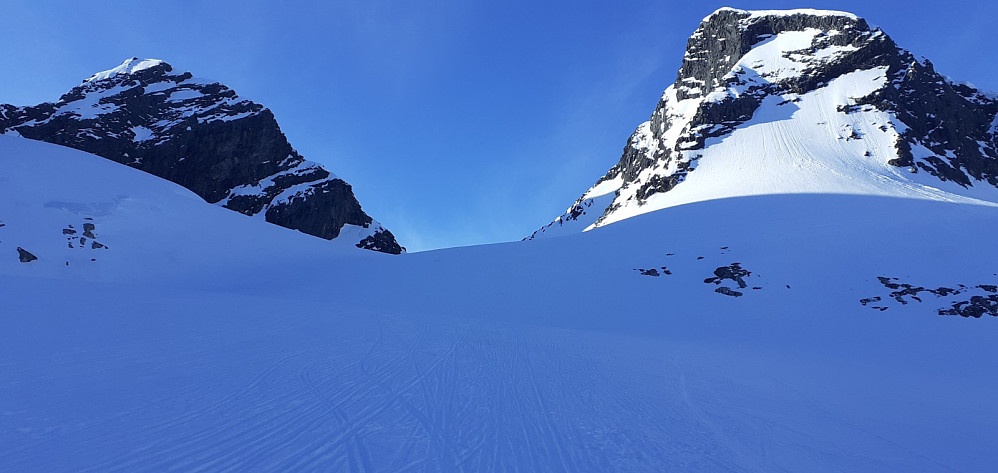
(129, 66)
(198, 339)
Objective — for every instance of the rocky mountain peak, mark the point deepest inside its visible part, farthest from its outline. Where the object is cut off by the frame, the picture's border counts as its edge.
(202, 135)
(810, 96)
(725, 36)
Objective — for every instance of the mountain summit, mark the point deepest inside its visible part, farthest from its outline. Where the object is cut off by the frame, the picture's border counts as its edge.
(201, 135)
(798, 101)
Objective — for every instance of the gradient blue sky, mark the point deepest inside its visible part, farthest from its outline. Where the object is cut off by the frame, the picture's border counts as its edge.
(457, 122)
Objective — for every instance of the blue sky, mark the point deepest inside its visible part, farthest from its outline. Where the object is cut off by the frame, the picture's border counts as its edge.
(457, 122)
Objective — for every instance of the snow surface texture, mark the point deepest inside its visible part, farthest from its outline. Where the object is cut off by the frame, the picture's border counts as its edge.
(805, 110)
(202, 340)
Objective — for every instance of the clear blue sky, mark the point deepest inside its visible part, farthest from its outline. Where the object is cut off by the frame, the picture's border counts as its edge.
(457, 122)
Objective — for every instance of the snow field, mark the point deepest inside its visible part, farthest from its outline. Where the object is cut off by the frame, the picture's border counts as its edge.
(203, 340)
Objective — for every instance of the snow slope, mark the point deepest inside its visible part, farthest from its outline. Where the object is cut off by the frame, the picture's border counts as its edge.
(797, 144)
(214, 342)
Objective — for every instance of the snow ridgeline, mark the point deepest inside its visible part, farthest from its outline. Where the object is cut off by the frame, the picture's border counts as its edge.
(128, 66)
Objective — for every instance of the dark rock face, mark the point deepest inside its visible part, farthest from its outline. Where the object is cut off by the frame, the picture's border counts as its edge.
(954, 126)
(198, 134)
(724, 37)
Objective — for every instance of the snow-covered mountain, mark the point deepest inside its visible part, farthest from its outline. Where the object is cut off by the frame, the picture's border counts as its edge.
(817, 304)
(201, 135)
(817, 333)
(798, 101)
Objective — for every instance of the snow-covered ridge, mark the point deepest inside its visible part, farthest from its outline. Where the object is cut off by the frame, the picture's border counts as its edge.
(128, 66)
(177, 97)
(798, 11)
(799, 101)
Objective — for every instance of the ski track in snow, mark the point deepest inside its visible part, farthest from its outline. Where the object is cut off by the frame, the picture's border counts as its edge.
(392, 393)
(321, 408)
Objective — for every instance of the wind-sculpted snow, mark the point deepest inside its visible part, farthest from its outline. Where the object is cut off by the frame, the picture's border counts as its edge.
(798, 101)
(200, 340)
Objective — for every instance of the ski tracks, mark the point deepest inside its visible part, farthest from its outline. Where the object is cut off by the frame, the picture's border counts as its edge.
(389, 394)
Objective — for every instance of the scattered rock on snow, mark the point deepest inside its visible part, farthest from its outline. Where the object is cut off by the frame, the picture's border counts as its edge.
(728, 292)
(25, 256)
(985, 302)
(734, 272)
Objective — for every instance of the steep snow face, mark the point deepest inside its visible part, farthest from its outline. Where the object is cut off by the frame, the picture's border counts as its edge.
(798, 101)
(201, 135)
(803, 333)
